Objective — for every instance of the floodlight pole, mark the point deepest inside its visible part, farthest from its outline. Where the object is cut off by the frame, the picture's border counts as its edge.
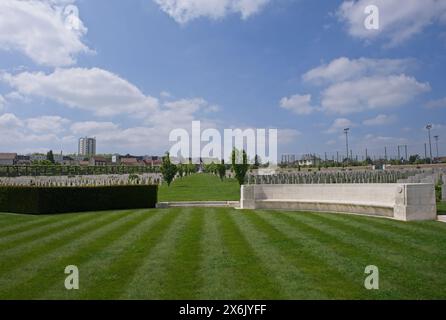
(436, 145)
(346, 140)
(429, 127)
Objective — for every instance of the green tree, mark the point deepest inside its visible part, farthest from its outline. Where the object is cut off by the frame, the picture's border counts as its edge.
(239, 165)
(221, 168)
(257, 162)
(50, 156)
(168, 169)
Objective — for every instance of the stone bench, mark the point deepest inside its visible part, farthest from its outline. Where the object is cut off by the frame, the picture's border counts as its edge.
(400, 201)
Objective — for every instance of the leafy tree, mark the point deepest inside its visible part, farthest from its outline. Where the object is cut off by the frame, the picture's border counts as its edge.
(257, 162)
(181, 170)
(221, 168)
(168, 169)
(414, 158)
(50, 156)
(239, 165)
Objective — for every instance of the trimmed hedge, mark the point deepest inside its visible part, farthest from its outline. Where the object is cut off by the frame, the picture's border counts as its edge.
(47, 200)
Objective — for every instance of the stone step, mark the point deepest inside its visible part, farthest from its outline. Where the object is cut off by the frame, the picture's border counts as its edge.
(203, 204)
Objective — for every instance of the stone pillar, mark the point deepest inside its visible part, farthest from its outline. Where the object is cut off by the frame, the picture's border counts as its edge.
(415, 202)
(247, 197)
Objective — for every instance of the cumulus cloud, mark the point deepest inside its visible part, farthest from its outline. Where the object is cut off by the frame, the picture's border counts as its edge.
(371, 93)
(299, 104)
(434, 104)
(104, 94)
(97, 90)
(9, 120)
(343, 68)
(47, 124)
(339, 125)
(399, 20)
(380, 120)
(47, 31)
(183, 11)
(357, 85)
(287, 136)
(2, 102)
(92, 127)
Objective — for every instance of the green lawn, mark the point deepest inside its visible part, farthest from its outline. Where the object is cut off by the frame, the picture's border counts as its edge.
(441, 208)
(200, 187)
(195, 253)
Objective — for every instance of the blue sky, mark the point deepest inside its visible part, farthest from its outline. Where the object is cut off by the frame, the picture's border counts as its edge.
(128, 72)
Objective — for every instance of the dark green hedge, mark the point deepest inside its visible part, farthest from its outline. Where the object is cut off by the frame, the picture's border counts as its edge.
(46, 200)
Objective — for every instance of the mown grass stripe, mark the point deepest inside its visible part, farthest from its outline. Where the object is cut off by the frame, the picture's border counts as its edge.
(35, 226)
(417, 228)
(419, 250)
(284, 261)
(11, 219)
(109, 280)
(19, 255)
(99, 256)
(26, 281)
(422, 269)
(397, 233)
(43, 231)
(253, 281)
(351, 258)
(182, 275)
(318, 259)
(148, 279)
(216, 273)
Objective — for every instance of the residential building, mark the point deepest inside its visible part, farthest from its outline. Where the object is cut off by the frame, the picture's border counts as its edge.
(288, 159)
(129, 161)
(309, 160)
(98, 161)
(37, 157)
(87, 146)
(23, 160)
(8, 159)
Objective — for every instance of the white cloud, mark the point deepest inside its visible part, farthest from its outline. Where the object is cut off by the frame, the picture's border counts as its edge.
(380, 120)
(287, 136)
(299, 104)
(371, 93)
(2, 102)
(374, 141)
(96, 90)
(47, 31)
(47, 124)
(339, 125)
(92, 127)
(343, 68)
(183, 11)
(8, 121)
(15, 96)
(434, 104)
(399, 20)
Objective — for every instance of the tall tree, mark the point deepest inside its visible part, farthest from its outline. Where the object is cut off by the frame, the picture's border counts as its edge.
(50, 156)
(168, 169)
(240, 165)
(221, 168)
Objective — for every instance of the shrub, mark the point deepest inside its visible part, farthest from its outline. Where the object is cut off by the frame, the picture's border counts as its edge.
(47, 200)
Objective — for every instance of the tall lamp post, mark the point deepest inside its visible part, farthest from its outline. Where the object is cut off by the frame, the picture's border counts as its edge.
(436, 145)
(346, 140)
(429, 127)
